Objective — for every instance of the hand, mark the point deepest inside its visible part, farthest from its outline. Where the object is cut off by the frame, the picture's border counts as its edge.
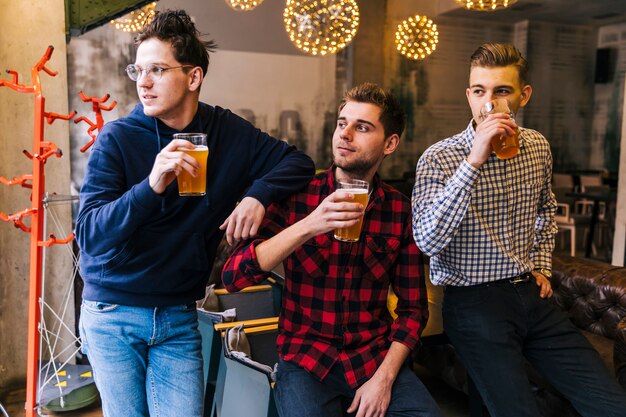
(244, 221)
(544, 284)
(494, 125)
(169, 163)
(371, 399)
(333, 213)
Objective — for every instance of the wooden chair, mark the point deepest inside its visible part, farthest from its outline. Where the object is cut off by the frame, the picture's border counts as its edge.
(565, 222)
(565, 181)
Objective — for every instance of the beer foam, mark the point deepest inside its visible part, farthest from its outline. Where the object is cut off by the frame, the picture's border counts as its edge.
(201, 148)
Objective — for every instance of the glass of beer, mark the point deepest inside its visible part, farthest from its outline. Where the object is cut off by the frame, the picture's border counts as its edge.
(505, 146)
(359, 189)
(188, 185)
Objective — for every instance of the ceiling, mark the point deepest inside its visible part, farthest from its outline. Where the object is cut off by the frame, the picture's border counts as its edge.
(583, 12)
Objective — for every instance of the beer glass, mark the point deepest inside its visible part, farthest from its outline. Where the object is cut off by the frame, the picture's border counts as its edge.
(359, 189)
(188, 185)
(505, 146)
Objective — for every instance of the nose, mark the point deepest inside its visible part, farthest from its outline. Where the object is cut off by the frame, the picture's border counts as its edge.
(143, 79)
(346, 132)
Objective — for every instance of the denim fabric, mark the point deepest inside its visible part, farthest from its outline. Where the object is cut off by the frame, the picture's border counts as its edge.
(300, 394)
(493, 327)
(146, 361)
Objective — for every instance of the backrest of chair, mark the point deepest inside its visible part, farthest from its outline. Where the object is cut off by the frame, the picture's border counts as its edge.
(255, 344)
(561, 195)
(563, 180)
(597, 188)
(589, 180)
(263, 346)
(251, 303)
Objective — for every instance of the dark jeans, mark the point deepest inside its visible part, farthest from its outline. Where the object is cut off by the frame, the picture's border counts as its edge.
(300, 394)
(493, 327)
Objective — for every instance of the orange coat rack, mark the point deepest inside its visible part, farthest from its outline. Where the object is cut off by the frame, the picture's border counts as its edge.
(42, 150)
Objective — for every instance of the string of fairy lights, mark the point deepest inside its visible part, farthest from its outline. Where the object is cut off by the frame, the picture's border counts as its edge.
(135, 20)
(320, 27)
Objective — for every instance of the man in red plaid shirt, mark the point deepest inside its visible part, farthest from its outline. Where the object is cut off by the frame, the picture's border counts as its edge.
(340, 349)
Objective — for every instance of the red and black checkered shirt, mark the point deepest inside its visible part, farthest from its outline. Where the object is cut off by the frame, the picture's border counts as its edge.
(334, 306)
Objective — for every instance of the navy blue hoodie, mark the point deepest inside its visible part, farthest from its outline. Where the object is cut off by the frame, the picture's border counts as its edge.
(140, 248)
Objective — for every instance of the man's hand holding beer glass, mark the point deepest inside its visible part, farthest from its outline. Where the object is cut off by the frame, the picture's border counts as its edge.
(492, 127)
(170, 162)
(336, 211)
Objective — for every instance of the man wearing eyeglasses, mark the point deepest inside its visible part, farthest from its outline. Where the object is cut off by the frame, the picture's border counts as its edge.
(146, 252)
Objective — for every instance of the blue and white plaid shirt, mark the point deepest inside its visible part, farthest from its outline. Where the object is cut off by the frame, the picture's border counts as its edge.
(489, 224)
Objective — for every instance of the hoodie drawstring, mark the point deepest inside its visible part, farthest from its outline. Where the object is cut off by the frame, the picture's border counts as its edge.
(159, 147)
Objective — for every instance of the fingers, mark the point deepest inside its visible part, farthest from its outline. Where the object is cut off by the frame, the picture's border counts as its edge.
(498, 124)
(178, 144)
(355, 403)
(545, 288)
(244, 221)
(342, 201)
(174, 152)
(230, 230)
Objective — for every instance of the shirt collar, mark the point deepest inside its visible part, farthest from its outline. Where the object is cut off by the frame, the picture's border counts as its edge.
(376, 191)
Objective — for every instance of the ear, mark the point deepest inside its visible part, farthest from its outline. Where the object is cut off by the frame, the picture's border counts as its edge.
(195, 78)
(391, 144)
(527, 91)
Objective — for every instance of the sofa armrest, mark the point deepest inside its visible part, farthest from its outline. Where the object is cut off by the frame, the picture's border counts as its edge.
(619, 354)
(593, 293)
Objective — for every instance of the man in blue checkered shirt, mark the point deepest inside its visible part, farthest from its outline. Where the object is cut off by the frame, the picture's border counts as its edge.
(488, 226)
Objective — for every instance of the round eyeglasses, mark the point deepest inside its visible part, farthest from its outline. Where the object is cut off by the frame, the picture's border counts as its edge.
(153, 71)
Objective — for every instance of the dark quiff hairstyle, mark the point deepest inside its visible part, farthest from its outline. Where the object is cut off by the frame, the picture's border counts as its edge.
(500, 55)
(176, 27)
(392, 116)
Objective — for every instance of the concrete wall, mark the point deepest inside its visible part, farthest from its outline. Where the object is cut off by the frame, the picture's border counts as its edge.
(27, 28)
(256, 72)
(609, 100)
(561, 56)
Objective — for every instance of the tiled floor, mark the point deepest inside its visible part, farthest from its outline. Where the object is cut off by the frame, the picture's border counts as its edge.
(452, 403)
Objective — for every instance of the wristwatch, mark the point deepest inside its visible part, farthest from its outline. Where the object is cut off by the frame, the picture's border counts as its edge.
(545, 272)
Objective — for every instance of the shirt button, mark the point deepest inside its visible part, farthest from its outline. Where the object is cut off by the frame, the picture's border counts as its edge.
(347, 270)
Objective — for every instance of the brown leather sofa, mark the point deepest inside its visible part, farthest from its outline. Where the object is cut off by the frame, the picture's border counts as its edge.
(593, 294)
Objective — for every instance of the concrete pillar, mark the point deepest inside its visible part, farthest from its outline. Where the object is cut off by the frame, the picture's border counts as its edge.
(368, 60)
(27, 27)
(619, 237)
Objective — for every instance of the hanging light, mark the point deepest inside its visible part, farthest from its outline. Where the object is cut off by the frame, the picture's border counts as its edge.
(135, 20)
(417, 37)
(321, 26)
(243, 5)
(485, 5)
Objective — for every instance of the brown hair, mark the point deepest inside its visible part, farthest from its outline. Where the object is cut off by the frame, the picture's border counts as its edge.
(500, 55)
(176, 27)
(392, 116)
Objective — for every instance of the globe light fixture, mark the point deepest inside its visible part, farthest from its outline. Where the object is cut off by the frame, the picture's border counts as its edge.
(417, 37)
(135, 20)
(321, 26)
(243, 5)
(485, 5)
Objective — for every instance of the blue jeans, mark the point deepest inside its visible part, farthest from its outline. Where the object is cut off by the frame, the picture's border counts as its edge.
(300, 394)
(146, 361)
(495, 327)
